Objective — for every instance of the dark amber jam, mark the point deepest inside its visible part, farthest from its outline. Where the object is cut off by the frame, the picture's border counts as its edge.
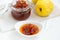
(21, 10)
(29, 29)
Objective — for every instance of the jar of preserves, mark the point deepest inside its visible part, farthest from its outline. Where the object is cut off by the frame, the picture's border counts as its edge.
(21, 10)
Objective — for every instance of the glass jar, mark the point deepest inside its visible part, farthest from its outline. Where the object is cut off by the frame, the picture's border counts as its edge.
(21, 10)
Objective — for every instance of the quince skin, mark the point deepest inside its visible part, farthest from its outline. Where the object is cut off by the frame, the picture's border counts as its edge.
(34, 1)
(43, 7)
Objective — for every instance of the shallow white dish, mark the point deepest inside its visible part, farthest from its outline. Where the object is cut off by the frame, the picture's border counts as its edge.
(39, 25)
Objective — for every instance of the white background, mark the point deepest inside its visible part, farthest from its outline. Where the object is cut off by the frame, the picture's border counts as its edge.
(52, 31)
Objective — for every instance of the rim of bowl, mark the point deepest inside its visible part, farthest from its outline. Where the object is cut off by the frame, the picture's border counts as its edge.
(19, 24)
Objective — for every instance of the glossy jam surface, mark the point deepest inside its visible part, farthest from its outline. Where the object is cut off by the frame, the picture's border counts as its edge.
(29, 29)
(21, 10)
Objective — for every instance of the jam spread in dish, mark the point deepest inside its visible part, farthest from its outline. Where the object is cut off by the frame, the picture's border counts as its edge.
(29, 29)
(21, 10)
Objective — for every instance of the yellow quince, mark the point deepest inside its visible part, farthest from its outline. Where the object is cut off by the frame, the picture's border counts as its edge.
(34, 1)
(43, 7)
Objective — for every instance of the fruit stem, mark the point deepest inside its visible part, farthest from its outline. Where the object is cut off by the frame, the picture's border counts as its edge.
(40, 9)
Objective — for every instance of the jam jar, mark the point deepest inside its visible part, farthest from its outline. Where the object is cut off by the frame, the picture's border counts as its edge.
(21, 10)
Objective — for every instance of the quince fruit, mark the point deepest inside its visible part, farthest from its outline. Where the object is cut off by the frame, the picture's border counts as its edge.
(44, 7)
(34, 1)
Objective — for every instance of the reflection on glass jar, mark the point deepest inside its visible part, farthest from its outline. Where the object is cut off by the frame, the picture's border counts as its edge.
(21, 10)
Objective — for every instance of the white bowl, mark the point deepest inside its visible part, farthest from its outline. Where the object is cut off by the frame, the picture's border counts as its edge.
(19, 24)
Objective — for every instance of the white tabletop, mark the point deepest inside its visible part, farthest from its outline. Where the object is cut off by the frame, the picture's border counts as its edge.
(52, 31)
